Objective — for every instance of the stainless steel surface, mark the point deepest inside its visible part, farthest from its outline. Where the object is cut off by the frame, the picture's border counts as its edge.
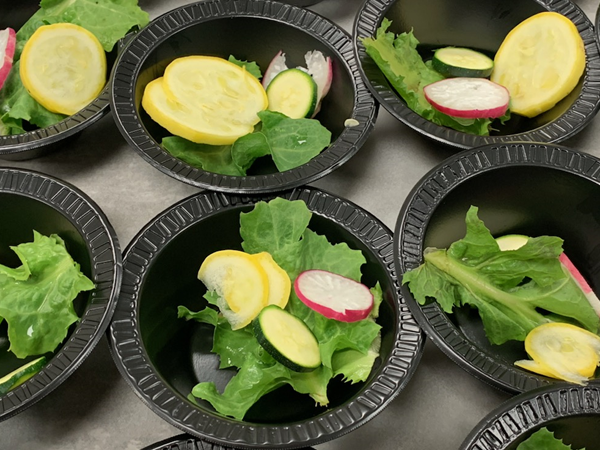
(95, 409)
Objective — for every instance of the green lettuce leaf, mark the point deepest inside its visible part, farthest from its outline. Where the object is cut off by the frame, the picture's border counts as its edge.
(108, 20)
(212, 158)
(207, 315)
(509, 288)
(397, 57)
(543, 439)
(247, 149)
(347, 349)
(36, 299)
(251, 67)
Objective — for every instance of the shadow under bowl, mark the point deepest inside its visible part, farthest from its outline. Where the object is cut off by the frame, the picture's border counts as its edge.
(33, 201)
(529, 189)
(481, 26)
(37, 142)
(251, 30)
(163, 357)
(571, 412)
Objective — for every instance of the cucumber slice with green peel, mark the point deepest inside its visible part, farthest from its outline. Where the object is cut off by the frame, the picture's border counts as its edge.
(462, 62)
(287, 339)
(21, 375)
(294, 93)
(511, 241)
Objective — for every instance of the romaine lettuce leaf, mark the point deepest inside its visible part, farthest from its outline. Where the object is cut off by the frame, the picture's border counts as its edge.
(36, 299)
(509, 288)
(348, 349)
(397, 57)
(543, 439)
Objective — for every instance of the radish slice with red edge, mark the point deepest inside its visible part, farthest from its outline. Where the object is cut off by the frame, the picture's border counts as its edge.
(578, 278)
(334, 296)
(276, 66)
(321, 69)
(8, 42)
(468, 98)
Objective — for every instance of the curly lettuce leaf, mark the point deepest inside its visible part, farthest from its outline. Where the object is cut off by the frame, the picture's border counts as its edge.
(397, 57)
(543, 439)
(509, 288)
(36, 299)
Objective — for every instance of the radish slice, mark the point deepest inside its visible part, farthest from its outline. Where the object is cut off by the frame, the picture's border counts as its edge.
(469, 98)
(8, 42)
(334, 296)
(276, 66)
(321, 69)
(585, 287)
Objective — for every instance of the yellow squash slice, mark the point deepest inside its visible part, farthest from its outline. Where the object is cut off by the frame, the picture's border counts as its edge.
(280, 284)
(540, 62)
(206, 100)
(562, 351)
(63, 67)
(240, 282)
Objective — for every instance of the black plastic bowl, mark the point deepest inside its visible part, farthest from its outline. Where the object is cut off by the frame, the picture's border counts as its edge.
(480, 25)
(253, 30)
(34, 201)
(187, 442)
(571, 412)
(163, 357)
(39, 142)
(530, 189)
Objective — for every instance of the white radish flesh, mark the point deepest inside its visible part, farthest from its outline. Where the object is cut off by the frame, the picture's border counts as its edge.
(334, 296)
(578, 278)
(276, 66)
(8, 42)
(321, 69)
(469, 98)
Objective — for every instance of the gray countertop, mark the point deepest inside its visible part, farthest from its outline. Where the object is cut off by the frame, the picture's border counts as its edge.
(95, 409)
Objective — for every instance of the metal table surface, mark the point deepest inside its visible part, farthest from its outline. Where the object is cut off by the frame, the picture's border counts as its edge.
(95, 409)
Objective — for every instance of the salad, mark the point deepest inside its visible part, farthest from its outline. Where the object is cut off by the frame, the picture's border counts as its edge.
(224, 118)
(288, 309)
(525, 289)
(36, 301)
(526, 77)
(544, 439)
(55, 64)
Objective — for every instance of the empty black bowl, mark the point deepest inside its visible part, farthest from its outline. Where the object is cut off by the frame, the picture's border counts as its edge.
(478, 25)
(529, 189)
(163, 357)
(253, 30)
(39, 142)
(33, 201)
(571, 412)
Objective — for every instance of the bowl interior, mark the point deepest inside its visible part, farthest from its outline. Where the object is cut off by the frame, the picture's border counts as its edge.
(523, 199)
(27, 214)
(578, 431)
(180, 351)
(474, 24)
(250, 39)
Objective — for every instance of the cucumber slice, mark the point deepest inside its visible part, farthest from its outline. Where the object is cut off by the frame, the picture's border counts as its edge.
(511, 241)
(21, 375)
(287, 339)
(293, 93)
(462, 62)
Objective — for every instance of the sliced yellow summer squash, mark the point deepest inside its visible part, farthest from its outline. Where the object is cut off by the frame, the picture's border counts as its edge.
(280, 284)
(63, 67)
(540, 62)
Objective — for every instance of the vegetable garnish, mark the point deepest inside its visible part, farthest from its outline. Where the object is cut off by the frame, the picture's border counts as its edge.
(461, 62)
(509, 288)
(19, 376)
(7, 50)
(63, 67)
(348, 349)
(562, 351)
(544, 439)
(293, 93)
(540, 61)
(397, 57)
(16, 104)
(36, 299)
(469, 98)
(334, 296)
